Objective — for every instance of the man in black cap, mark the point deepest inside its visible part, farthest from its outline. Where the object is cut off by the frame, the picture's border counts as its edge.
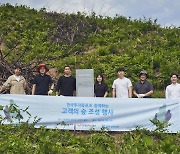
(143, 88)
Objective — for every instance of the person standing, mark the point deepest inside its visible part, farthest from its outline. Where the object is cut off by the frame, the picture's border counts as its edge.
(100, 87)
(16, 83)
(122, 86)
(143, 88)
(173, 90)
(66, 85)
(42, 82)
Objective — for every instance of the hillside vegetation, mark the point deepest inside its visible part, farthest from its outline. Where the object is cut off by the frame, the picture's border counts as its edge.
(29, 37)
(26, 139)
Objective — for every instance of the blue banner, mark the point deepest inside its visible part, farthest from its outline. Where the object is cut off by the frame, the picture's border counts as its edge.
(85, 113)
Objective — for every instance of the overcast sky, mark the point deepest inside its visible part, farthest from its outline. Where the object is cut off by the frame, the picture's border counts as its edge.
(166, 11)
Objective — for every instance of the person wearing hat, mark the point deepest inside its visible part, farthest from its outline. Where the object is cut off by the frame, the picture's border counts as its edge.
(173, 90)
(122, 86)
(143, 88)
(16, 83)
(42, 82)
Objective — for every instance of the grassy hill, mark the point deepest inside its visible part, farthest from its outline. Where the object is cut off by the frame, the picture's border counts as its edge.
(29, 37)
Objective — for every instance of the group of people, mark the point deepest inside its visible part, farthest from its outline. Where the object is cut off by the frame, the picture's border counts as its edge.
(122, 86)
(42, 83)
(66, 85)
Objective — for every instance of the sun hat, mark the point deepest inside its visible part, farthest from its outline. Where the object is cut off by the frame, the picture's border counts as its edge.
(42, 65)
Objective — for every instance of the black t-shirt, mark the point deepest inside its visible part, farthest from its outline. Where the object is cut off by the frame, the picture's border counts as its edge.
(100, 89)
(142, 88)
(42, 84)
(66, 85)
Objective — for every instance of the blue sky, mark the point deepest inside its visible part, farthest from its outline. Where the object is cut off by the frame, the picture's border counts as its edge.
(166, 11)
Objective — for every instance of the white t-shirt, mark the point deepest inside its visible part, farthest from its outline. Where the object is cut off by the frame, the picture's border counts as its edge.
(121, 86)
(173, 91)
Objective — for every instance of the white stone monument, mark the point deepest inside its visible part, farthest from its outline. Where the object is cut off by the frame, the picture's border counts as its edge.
(85, 83)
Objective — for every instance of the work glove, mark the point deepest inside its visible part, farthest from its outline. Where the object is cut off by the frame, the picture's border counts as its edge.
(138, 96)
(141, 95)
(50, 92)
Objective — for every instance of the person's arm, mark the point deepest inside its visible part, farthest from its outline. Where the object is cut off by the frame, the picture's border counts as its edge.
(0, 89)
(130, 92)
(167, 93)
(129, 88)
(134, 90)
(106, 93)
(135, 94)
(6, 85)
(52, 86)
(35, 81)
(51, 89)
(51, 83)
(114, 93)
(33, 89)
(114, 90)
(149, 93)
(106, 90)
